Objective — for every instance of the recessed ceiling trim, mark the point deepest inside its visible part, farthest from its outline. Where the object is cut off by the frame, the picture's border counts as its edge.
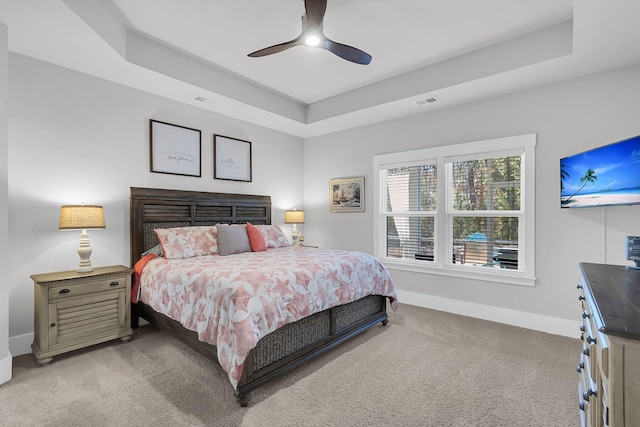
(539, 46)
(145, 52)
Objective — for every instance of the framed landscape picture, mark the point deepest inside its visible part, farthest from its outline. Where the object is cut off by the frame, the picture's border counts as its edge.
(346, 195)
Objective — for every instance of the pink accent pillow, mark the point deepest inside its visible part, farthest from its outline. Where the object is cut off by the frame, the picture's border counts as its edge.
(256, 239)
(274, 236)
(188, 242)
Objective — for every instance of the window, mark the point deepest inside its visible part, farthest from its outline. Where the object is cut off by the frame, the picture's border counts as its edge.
(464, 210)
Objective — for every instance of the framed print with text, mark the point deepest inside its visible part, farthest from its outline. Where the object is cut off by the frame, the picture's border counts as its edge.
(231, 159)
(174, 149)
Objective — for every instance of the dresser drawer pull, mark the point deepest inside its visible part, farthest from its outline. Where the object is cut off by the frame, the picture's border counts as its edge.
(579, 286)
(113, 284)
(581, 406)
(582, 328)
(581, 298)
(585, 315)
(52, 325)
(64, 291)
(580, 367)
(588, 393)
(585, 351)
(591, 340)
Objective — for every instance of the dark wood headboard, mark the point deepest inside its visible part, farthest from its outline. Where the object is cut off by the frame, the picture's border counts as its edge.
(153, 208)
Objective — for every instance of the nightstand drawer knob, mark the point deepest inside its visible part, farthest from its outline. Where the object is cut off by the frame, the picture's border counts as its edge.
(113, 284)
(52, 325)
(64, 291)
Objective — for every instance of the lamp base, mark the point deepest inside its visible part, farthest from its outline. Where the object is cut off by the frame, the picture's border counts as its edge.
(84, 251)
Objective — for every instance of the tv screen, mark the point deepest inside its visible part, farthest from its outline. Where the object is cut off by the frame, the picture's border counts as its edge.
(604, 176)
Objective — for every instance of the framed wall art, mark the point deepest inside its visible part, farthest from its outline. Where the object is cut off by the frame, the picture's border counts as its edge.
(174, 149)
(231, 159)
(346, 195)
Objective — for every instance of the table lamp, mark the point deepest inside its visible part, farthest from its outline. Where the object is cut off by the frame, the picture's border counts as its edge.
(294, 217)
(82, 217)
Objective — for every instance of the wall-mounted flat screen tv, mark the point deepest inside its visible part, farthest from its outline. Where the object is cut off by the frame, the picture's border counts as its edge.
(604, 176)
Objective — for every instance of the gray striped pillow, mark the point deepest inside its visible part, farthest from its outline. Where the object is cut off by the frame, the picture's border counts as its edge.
(232, 239)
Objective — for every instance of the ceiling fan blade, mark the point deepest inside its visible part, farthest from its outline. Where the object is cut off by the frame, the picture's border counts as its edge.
(275, 48)
(347, 52)
(315, 10)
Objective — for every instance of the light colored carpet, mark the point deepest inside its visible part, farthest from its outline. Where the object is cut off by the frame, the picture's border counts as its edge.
(425, 368)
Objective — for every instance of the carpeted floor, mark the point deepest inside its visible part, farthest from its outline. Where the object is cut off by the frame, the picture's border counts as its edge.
(425, 368)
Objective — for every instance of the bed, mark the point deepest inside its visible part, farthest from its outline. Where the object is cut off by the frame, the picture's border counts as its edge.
(291, 343)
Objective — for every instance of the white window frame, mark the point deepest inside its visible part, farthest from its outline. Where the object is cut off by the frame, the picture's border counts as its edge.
(521, 144)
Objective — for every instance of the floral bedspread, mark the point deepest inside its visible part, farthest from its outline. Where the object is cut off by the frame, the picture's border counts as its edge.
(233, 301)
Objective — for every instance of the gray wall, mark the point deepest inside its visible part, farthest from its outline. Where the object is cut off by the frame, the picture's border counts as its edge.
(567, 117)
(75, 138)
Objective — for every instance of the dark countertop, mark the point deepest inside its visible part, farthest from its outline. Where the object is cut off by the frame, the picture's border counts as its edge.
(616, 290)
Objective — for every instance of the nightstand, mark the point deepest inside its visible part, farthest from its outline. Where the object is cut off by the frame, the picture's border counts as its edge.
(74, 310)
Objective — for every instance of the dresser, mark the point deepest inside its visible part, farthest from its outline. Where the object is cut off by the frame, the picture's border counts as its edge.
(609, 364)
(74, 310)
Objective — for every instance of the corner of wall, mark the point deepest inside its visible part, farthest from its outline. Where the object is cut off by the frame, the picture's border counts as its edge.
(5, 355)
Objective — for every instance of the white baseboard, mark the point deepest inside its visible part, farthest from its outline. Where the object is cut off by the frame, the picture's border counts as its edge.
(5, 369)
(537, 322)
(20, 344)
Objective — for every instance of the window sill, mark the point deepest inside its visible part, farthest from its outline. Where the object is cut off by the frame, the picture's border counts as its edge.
(465, 272)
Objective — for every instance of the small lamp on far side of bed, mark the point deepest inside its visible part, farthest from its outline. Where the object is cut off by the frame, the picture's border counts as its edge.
(294, 217)
(82, 217)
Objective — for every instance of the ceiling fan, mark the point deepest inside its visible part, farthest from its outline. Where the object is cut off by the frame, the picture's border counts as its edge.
(313, 36)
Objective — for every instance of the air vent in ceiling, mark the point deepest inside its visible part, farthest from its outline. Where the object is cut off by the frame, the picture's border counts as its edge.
(426, 101)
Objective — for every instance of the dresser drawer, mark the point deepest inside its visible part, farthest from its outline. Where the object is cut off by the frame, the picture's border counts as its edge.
(593, 336)
(586, 403)
(73, 289)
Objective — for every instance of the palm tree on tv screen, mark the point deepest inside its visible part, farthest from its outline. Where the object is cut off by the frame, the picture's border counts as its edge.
(563, 175)
(588, 178)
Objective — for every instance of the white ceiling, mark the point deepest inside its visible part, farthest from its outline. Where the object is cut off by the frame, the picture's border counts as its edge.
(456, 50)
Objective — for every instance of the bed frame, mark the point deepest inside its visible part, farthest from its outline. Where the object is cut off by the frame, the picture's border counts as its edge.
(282, 350)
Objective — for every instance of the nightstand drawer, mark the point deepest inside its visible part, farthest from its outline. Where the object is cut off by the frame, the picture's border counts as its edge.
(72, 289)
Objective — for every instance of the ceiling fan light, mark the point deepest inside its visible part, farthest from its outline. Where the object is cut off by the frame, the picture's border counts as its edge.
(312, 40)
